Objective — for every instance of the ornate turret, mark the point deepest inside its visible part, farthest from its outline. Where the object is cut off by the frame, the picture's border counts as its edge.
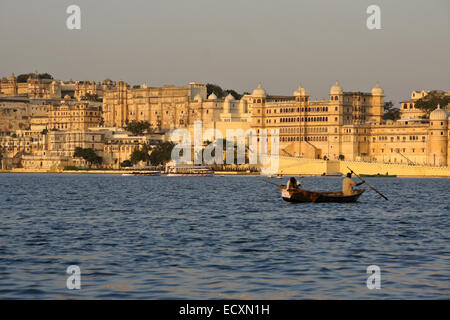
(377, 108)
(259, 92)
(301, 94)
(336, 89)
(437, 137)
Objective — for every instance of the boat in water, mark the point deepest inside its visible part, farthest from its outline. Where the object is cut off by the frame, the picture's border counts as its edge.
(362, 175)
(157, 173)
(300, 195)
(332, 174)
(189, 171)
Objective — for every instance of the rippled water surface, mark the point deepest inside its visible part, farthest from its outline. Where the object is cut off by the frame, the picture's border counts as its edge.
(217, 238)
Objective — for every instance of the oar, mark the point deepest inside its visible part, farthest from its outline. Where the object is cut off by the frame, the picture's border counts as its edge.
(368, 184)
(278, 185)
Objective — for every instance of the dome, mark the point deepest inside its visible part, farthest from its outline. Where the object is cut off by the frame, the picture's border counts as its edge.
(198, 98)
(377, 91)
(66, 97)
(229, 97)
(336, 88)
(439, 114)
(259, 92)
(301, 92)
(212, 96)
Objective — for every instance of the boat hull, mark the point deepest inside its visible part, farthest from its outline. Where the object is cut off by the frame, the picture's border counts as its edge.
(377, 176)
(209, 174)
(300, 195)
(141, 174)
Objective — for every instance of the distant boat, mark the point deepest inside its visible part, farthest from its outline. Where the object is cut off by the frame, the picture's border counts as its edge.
(378, 175)
(138, 173)
(189, 171)
(332, 174)
(300, 195)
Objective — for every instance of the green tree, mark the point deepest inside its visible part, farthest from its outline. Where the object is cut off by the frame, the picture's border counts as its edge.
(141, 155)
(138, 128)
(137, 156)
(236, 95)
(44, 132)
(214, 88)
(88, 154)
(220, 93)
(126, 163)
(432, 100)
(21, 78)
(161, 153)
(390, 112)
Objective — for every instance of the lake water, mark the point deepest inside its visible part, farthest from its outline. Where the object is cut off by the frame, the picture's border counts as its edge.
(219, 238)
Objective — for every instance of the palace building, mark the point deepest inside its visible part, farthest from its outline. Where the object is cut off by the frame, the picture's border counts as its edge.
(34, 88)
(164, 108)
(350, 126)
(72, 115)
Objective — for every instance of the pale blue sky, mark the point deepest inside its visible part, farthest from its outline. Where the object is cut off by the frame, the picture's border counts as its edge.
(235, 44)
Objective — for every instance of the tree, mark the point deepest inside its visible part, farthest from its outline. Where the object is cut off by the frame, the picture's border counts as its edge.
(140, 155)
(432, 100)
(88, 155)
(44, 132)
(236, 95)
(138, 127)
(214, 88)
(220, 93)
(126, 163)
(161, 153)
(21, 78)
(390, 112)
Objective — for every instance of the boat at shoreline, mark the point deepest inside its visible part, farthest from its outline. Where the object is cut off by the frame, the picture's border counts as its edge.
(190, 171)
(140, 173)
(332, 174)
(300, 195)
(362, 175)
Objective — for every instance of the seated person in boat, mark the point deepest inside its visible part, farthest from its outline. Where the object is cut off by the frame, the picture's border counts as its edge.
(348, 184)
(293, 184)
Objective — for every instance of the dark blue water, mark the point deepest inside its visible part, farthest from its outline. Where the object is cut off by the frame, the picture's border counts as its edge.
(221, 237)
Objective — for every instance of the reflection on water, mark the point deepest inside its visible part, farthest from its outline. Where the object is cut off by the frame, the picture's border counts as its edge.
(219, 238)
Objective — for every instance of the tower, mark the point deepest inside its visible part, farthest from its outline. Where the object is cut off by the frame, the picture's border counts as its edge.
(437, 138)
(377, 108)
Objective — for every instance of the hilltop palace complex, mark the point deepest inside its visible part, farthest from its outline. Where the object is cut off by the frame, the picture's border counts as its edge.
(43, 121)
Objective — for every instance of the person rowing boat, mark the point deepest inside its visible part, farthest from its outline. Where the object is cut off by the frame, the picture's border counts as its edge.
(348, 184)
(293, 184)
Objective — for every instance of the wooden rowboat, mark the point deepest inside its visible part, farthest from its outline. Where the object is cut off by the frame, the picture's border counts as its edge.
(300, 195)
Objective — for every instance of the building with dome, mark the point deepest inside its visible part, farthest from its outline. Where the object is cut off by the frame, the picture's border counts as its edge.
(350, 126)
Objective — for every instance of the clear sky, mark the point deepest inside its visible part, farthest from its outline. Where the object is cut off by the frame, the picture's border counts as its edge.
(234, 43)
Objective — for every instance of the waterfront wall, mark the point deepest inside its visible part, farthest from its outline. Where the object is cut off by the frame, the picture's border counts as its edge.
(301, 166)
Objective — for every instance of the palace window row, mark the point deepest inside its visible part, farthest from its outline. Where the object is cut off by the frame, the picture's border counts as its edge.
(305, 109)
(314, 139)
(303, 130)
(302, 119)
